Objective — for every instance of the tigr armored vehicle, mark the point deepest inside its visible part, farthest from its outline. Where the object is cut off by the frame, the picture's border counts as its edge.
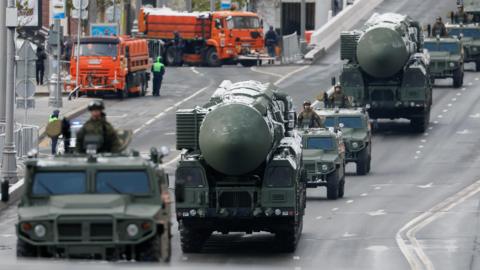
(470, 37)
(241, 168)
(446, 59)
(386, 69)
(99, 206)
(324, 160)
(356, 134)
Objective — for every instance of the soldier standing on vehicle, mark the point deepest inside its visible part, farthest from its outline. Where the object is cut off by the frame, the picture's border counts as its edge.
(460, 16)
(158, 70)
(98, 125)
(439, 28)
(338, 99)
(271, 41)
(40, 64)
(308, 118)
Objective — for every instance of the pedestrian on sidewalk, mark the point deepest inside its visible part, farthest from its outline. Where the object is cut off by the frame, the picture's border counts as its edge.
(40, 64)
(54, 129)
(158, 70)
(271, 41)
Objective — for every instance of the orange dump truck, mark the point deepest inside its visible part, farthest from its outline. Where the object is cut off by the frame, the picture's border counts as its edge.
(209, 38)
(111, 65)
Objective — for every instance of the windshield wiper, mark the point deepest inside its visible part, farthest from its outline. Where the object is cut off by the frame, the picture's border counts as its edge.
(112, 187)
(49, 191)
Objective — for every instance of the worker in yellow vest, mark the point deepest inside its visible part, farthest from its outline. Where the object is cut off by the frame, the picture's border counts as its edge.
(158, 70)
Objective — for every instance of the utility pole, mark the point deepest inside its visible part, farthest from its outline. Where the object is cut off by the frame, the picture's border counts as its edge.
(79, 33)
(303, 19)
(9, 165)
(212, 5)
(3, 59)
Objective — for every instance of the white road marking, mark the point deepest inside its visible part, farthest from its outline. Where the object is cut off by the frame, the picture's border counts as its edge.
(430, 128)
(379, 212)
(445, 110)
(334, 209)
(170, 133)
(254, 69)
(347, 234)
(429, 185)
(454, 99)
(424, 141)
(118, 116)
(449, 104)
(415, 157)
(184, 258)
(290, 74)
(463, 88)
(349, 201)
(364, 194)
(418, 152)
(426, 133)
(435, 122)
(7, 235)
(319, 217)
(170, 108)
(296, 257)
(464, 132)
(406, 236)
(377, 248)
(476, 79)
(477, 115)
(470, 83)
(420, 146)
(440, 116)
(194, 70)
(378, 188)
(459, 94)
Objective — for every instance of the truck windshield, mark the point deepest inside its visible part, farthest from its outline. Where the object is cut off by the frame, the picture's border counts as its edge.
(278, 177)
(442, 47)
(59, 183)
(243, 22)
(122, 182)
(467, 32)
(350, 122)
(190, 176)
(98, 49)
(320, 143)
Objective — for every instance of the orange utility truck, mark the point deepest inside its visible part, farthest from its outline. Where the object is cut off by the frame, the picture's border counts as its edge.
(208, 38)
(111, 65)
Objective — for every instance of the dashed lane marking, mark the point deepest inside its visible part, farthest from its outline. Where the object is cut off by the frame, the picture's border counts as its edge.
(349, 201)
(254, 69)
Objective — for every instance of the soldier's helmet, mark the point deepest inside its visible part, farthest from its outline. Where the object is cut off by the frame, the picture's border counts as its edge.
(96, 105)
(307, 102)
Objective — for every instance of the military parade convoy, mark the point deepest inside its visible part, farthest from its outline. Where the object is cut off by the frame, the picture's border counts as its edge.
(247, 157)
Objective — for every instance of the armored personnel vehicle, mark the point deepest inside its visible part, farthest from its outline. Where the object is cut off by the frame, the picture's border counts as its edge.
(356, 134)
(324, 160)
(386, 69)
(241, 167)
(446, 59)
(470, 37)
(100, 206)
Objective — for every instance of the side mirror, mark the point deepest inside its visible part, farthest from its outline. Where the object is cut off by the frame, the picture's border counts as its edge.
(5, 191)
(179, 192)
(334, 81)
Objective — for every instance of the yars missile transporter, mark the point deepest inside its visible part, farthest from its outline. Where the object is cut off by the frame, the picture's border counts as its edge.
(241, 169)
(100, 206)
(386, 69)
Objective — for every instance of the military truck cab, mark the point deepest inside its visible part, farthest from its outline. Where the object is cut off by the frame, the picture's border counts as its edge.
(446, 59)
(324, 160)
(470, 37)
(356, 134)
(100, 206)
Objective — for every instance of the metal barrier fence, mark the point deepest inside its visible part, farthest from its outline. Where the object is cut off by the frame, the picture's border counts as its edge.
(291, 49)
(26, 139)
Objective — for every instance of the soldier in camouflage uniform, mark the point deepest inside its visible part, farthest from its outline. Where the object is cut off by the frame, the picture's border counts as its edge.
(338, 99)
(98, 125)
(308, 118)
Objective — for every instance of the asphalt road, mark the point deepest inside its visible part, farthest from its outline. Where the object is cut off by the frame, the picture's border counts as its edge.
(413, 175)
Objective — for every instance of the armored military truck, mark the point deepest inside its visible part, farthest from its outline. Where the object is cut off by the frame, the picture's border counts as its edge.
(386, 69)
(446, 59)
(324, 160)
(470, 37)
(241, 168)
(356, 134)
(98, 206)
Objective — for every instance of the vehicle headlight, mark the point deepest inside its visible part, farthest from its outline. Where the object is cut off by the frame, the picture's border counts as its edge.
(324, 167)
(40, 230)
(355, 144)
(475, 49)
(278, 212)
(193, 212)
(452, 64)
(132, 230)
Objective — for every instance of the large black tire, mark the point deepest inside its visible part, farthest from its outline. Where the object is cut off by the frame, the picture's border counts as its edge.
(333, 184)
(150, 251)
(477, 65)
(420, 124)
(192, 240)
(458, 77)
(363, 162)
(170, 54)
(143, 86)
(123, 94)
(212, 58)
(288, 239)
(26, 250)
(341, 189)
(248, 63)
